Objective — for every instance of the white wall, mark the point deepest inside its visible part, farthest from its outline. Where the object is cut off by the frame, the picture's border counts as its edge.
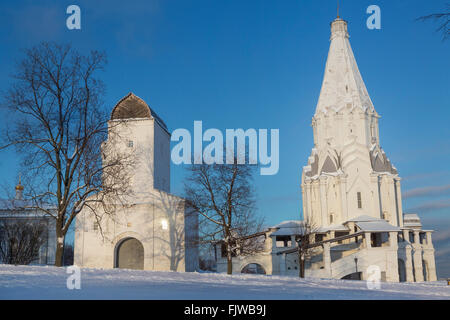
(164, 249)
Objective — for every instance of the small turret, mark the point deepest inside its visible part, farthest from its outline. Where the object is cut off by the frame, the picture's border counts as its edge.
(19, 191)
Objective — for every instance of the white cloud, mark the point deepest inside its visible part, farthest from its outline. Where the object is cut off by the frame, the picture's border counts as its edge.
(427, 191)
(430, 206)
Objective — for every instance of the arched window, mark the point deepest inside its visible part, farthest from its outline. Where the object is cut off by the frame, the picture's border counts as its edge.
(359, 200)
(253, 268)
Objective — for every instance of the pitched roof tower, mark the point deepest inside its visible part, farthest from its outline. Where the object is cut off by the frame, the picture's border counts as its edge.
(347, 174)
(342, 82)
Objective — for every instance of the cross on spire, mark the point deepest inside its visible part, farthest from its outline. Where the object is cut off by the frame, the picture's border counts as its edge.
(338, 9)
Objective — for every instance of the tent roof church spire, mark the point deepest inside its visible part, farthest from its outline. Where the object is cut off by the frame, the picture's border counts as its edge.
(342, 84)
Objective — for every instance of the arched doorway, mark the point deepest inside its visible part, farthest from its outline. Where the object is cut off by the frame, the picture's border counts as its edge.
(352, 276)
(253, 268)
(130, 254)
(401, 270)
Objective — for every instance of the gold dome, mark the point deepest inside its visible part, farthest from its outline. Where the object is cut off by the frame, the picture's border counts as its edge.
(19, 186)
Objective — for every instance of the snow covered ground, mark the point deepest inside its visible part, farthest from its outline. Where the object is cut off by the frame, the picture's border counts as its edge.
(37, 282)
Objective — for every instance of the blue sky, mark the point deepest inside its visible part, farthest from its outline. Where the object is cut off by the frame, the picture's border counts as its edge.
(259, 64)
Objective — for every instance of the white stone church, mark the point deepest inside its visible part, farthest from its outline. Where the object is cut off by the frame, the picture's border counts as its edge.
(152, 230)
(351, 192)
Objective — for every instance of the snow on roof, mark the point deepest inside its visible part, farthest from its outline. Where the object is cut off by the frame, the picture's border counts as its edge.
(11, 204)
(287, 228)
(411, 220)
(412, 224)
(287, 231)
(364, 218)
(341, 61)
(377, 226)
(334, 227)
(15, 204)
(411, 216)
(289, 224)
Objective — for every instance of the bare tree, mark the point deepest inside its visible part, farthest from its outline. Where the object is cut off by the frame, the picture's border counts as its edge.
(443, 19)
(224, 198)
(20, 240)
(304, 240)
(57, 124)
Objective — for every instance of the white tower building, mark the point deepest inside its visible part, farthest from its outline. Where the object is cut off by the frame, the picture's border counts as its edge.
(141, 131)
(151, 229)
(348, 173)
(350, 186)
(351, 194)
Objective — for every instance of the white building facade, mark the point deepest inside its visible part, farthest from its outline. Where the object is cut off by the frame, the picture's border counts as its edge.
(19, 210)
(351, 192)
(152, 229)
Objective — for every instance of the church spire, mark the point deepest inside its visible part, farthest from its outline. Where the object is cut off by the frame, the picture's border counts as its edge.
(342, 84)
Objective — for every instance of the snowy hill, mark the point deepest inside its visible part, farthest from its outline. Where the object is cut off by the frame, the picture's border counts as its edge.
(36, 282)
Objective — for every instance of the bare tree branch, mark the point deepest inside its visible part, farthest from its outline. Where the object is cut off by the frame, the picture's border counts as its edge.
(58, 125)
(21, 239)
(224, 197)
(443, 19)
